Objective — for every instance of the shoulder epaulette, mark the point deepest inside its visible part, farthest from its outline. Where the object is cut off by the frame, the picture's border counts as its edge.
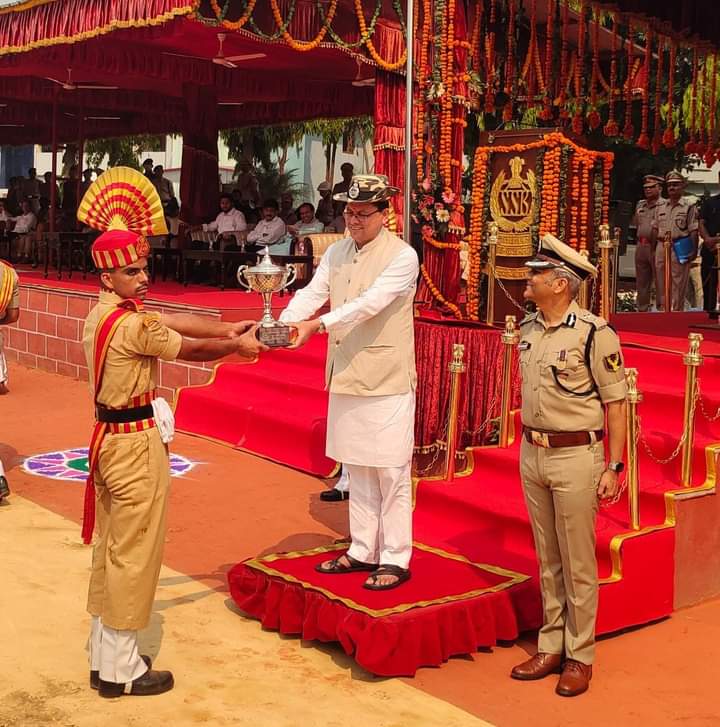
(529, 318)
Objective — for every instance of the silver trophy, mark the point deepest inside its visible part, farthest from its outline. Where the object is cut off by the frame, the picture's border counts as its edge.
(267, 278)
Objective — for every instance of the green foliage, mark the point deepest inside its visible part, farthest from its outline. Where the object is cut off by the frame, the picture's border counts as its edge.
(121, 151)
(274, 183)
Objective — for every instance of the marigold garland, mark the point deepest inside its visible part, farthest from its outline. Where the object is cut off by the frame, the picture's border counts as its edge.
(385, 65)
(643, 140)
(611, 128)
(669, 134)
(304, 45)
(657, 122)
(628, 129)
(435, 292)
(233, 24)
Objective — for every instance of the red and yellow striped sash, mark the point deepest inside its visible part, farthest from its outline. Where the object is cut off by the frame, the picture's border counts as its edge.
(7, 284)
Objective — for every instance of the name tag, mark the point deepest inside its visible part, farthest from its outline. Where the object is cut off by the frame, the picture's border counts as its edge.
(524, 346)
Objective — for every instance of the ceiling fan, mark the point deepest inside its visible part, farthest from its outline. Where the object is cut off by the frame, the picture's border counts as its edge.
(362, 82)
(220, 58)
(95, 118)
(70, 85)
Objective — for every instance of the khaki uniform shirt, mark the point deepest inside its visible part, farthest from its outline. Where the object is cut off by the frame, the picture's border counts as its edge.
(131, 363)
(679, 219)
(15, 294)
(560, 393)
(645, 217)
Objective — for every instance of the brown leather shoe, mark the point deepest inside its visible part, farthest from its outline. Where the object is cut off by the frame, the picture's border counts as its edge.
(540, 666)
(575, 679)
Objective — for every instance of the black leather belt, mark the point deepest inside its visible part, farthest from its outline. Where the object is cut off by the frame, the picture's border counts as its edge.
(562, 439)
(123, 416)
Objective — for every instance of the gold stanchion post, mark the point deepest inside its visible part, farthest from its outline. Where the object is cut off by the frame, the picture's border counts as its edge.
(584, 294)
(456, 368)
(634, 397)
(667, 277)
(692, 359)
(510, 337)
(617, 232)
(606, 247)
(492, 254)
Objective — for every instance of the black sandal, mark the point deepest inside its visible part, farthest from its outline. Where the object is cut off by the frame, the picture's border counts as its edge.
(335, 567)
(403, 574)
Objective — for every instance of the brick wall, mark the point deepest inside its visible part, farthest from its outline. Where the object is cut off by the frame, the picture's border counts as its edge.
(49, 332)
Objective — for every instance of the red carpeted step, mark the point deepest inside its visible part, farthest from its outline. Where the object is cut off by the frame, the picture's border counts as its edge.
(275, 408)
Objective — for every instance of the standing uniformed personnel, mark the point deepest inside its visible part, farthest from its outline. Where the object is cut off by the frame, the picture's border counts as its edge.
(128, 461)
(710, 231)
(679, 218)
(643, 231)
(573, 394)
(9, 313)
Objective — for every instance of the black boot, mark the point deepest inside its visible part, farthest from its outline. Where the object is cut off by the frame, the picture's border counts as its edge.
(95, 674)
(4, 488)
(151, 682)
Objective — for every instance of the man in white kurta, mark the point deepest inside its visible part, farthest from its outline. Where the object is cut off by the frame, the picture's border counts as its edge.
(370, 279)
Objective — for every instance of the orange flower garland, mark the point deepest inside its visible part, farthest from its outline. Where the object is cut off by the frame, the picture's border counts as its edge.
(475, 239)
(669, 135)
(690, 145)
(422, 84)
(657, 130)
(234, 24)
(628, 129)
(611, 128)
(385, 65)
(435, 292)
(546, 113)
(304, 45)
(644, 139)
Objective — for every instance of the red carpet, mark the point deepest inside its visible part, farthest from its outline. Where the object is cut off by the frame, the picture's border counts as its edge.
(483, 518)
(275, 408)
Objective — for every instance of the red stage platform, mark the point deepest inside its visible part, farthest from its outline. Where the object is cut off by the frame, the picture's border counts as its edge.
(481, 518)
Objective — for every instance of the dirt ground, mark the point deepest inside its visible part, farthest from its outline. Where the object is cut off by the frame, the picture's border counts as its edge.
(228, 670)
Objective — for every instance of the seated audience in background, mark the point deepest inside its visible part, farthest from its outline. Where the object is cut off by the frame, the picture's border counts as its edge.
(46, 188)
(271, 229)
(287, 213)
(338, 223)
(163, 185)
(42, 227)
(228, 222)
(69, 199)
(23, 226)
(4, 215)
(309, 224)
(325, 204)
(14, 195)
(31, 189)
(87, 180)
(248, 185)
(172, 219)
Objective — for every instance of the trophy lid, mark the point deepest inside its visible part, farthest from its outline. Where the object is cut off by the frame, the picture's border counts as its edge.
(266, 266)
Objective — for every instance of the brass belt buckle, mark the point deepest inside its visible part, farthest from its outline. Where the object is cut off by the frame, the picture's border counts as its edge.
(540, 439)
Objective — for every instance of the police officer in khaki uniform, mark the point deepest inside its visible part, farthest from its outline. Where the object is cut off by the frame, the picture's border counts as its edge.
(129, 479)
(642, 232)
(9, 313)
(679, 218)
(573, 395)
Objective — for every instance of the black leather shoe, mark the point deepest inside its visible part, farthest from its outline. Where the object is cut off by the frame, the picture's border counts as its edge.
(95, 674)
(334, 495)
(150, 683)
(4, 488)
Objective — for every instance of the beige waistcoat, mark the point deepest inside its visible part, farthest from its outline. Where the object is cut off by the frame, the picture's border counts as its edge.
(377, 356)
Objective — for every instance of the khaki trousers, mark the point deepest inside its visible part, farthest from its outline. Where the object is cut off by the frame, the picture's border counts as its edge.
(560, 487)
(644, 274)
(679, 273)
(132, 484)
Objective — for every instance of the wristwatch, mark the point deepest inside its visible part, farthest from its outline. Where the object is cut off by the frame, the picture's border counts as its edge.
(616, 467)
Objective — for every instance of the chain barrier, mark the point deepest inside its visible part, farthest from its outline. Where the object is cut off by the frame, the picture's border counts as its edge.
(683, 438)
(505, 290)
(436, 447)
(707, 416)
(621, 489)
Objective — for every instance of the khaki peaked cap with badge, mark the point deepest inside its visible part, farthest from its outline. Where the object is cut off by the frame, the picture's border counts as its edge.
(553, 254)
(367, 188)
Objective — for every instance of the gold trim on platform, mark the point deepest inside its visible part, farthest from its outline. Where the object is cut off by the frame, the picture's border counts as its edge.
(505, 273)
(707, 488)
(513, 579)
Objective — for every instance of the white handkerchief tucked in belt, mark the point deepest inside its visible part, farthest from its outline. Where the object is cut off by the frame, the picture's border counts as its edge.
(164, 419)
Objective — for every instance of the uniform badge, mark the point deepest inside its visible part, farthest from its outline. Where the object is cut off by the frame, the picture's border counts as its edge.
(142, 246)
(354, 191)
(524, 346)
(570, 321)
(613, 362)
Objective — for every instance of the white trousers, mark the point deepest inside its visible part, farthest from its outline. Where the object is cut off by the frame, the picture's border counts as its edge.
(3, 361)
(114, 653)
(2, 469)
(381, 514)
(343, 484)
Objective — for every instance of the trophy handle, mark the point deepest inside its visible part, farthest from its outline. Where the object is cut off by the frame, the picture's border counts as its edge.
(241, 278)
(292, 275)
